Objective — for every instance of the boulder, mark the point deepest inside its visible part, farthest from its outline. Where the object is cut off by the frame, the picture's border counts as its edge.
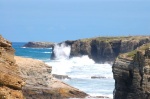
(131, 72)
(10, 82)
(61, 76)
(41, 84)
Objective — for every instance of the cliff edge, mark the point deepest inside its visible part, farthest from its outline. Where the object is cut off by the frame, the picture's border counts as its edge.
(10, 82)
(105, 49)
(131, 72)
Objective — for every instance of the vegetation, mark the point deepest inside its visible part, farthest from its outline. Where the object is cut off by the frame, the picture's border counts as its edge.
(141, 48)
(109, 39)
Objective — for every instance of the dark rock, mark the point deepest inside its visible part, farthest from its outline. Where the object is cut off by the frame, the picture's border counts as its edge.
(105, 49)
(131, 72)
(97, 97)
(61, 76)
(97, 77)
(39, 45)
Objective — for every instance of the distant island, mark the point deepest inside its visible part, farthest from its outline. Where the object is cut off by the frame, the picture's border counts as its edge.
(39, 44)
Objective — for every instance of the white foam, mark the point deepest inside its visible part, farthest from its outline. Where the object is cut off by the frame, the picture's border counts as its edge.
(80, 67)
(62, 51)
(46, 52)
(61, 67)
(23, 47)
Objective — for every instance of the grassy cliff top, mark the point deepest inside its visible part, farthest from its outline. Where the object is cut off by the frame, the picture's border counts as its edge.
(110, 39)
(131, 54)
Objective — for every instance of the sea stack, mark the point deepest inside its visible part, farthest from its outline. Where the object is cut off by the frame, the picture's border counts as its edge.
(10, 82)
(132, 74)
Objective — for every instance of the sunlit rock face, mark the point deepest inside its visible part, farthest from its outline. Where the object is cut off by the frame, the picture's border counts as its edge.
(10, 82)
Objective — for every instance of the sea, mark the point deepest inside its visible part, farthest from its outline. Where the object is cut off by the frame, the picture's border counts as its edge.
(93, 78)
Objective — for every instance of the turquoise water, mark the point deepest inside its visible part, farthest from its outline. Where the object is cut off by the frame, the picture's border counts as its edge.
(36, 53)
(80, 69)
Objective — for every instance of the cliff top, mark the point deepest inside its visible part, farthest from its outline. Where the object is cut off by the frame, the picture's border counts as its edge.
(109, 39)
(131, 54)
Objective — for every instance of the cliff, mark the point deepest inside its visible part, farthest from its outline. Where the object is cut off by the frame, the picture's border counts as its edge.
(105, 49)
(41, 84)
(39, 44)
(131, 72)
(10, 82)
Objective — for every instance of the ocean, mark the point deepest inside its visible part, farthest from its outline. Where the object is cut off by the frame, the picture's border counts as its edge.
(86, 75)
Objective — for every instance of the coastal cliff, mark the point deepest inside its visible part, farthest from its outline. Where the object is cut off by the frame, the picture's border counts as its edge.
(41, 84)
(131, 72)
(10, 82)
(39, 44)
(105, 49)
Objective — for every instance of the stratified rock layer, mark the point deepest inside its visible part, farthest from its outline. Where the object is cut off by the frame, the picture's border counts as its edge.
(132, 74)
(39, 44)
(10, 83)
(41, 85)
(105, 49)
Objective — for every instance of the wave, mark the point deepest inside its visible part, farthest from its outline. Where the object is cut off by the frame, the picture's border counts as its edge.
(35, 48)
(46, 52)
(80, 67)
(62, 51)
(23, 47)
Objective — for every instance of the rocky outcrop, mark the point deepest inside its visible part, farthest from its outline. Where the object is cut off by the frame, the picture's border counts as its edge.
(105, 49)
(131, 72)
(10, 82)
(61, 76)
(39, 45)
(41, 84)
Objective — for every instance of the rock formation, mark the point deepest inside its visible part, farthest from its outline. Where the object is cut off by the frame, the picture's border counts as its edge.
(132, 74)
(10, 82)
(105, 49)
(40, 83)
(39, 45)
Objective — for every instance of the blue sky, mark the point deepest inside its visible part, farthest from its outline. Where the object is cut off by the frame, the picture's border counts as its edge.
(59, 20)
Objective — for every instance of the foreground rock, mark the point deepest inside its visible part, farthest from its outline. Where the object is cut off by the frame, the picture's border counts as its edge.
(132, 74)
(10, 82)
(40, 83)
(39, 44)
(105, 49)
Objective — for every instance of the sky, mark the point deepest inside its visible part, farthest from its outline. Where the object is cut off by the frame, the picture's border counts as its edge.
(60, 20)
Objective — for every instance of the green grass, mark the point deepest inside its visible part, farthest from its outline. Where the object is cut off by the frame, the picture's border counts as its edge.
(110, 39)
(141, 48)
(131, 54)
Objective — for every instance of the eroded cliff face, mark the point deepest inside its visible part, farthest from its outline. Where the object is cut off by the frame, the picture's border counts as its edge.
(10, 82)
(105, 49)
(132, 74)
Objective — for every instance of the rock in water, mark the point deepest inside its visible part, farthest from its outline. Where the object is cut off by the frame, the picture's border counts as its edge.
(39, 45)
(61, 76)
(41, 85)
(132, 74)
(10, 82)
